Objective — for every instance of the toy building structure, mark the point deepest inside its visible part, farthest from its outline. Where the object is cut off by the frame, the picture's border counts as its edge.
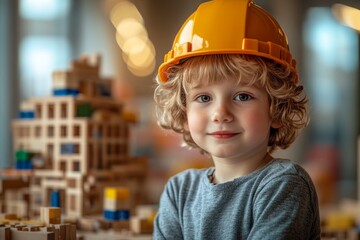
(74, 143)
(49, 227)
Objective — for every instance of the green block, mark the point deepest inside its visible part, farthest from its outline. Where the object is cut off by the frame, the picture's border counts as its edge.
(84, 110)
(23, 155)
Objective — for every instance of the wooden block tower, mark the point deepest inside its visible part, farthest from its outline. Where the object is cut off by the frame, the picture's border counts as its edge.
(79, 138)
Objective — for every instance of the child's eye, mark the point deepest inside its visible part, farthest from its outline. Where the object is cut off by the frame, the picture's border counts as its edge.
(243, 97)
(203, 98)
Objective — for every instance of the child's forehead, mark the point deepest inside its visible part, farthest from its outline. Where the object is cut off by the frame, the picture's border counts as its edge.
(197, 83)
(216, 69)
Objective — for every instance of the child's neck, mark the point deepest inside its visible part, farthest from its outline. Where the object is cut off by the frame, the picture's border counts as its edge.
(227, 171)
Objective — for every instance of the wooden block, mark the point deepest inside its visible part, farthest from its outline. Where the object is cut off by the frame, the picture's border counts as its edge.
(27, 106)
(33, 222)
(21, 235)
(104, 224)
(116, 193)
(57, 234)
(116, 215)
(80, 237)
(65, 231)
(113, 205)
(4, 221)
(88, 224)
(59, 231)
(19, 227)
(146, 211)
(84, 110)
(47, 229)
(64, 79)
(65, 92)
(34, 228)
(50, 215)
(103, 115)
(130, 117)
(141, 226)
(11, 216)
(14, 183)
(121, 225)
(72, 231)
(5, 232)
(340, 221)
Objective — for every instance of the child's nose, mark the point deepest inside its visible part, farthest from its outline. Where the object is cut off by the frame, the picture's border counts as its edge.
(222, 113)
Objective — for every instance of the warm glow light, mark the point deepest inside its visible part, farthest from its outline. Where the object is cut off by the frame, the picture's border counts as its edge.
(142, 72)
(135, 44)
(142, 61)
(142, 58)
(122, 10)
(129, 28)
(347, 15)
(132, 38)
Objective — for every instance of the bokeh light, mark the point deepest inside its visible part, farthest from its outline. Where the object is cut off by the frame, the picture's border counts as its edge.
(132, 37)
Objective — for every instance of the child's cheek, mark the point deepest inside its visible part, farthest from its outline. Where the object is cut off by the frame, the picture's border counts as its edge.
(195, 122)
(259, 120)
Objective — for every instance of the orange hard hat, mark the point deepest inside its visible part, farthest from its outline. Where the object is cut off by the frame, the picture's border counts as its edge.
(229, 27)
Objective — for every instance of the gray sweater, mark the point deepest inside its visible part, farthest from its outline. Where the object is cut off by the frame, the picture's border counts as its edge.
(278, 201)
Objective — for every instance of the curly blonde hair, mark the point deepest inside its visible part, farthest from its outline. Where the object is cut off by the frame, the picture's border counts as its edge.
(288, 103)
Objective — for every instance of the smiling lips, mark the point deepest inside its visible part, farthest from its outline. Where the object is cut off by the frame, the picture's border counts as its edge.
(223, 134)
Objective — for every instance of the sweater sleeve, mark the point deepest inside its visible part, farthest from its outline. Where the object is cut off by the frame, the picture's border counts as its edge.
(285, 208)
(166, 224)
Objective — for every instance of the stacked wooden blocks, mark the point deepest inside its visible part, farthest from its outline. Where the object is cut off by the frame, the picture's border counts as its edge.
(49, 228)
(27, 110)
(116, 204)
(23, 160)
(27, 232)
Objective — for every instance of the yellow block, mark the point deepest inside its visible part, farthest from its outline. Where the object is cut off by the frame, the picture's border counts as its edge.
(117, 193)
(340, 221)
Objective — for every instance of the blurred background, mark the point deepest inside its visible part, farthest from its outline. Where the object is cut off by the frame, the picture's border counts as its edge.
(40, 36)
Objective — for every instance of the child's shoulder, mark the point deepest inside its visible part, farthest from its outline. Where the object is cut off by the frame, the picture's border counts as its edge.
(192, 173)
(284, 167)
(189, 176)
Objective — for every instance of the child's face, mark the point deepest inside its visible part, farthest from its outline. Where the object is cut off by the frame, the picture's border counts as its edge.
(229, 120)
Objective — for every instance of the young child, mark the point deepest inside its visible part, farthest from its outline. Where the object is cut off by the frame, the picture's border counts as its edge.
(230, 87)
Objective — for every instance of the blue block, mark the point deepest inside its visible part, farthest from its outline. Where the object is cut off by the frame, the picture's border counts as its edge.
(116, 215)
(111, 215)
(20, 165)
(65, 92)
(27, 114)
(68, 148)
(28, 165)
(124, 214)
(55, 199)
